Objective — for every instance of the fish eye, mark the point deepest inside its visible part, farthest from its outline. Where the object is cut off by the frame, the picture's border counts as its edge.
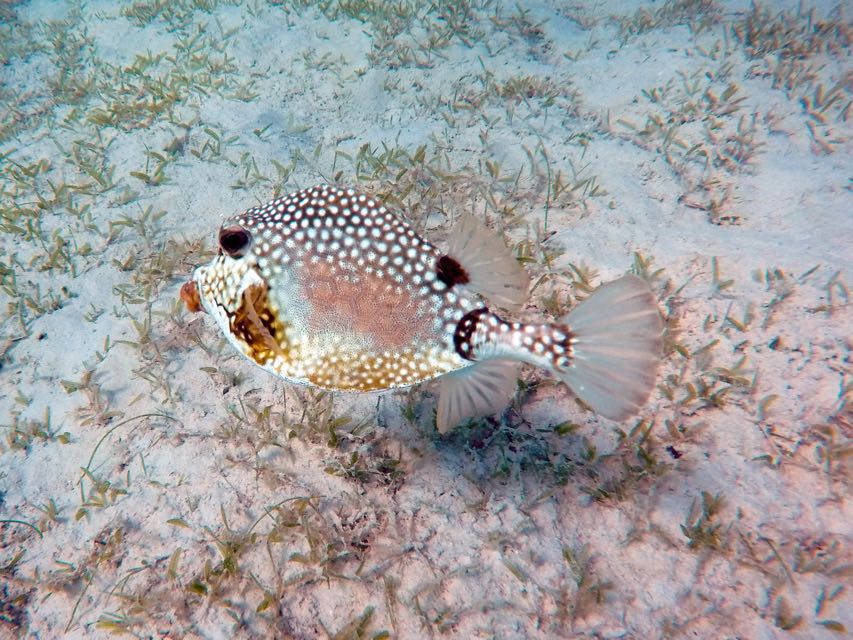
(234, 241)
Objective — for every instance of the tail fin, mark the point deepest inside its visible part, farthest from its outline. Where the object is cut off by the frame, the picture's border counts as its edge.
(616, 347)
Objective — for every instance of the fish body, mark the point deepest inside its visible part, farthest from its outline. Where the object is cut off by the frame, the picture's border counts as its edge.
(328, 287)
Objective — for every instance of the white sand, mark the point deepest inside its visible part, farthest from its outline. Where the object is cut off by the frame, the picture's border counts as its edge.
(198, 519)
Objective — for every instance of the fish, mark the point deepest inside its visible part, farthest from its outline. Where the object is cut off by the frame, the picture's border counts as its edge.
(328, 287)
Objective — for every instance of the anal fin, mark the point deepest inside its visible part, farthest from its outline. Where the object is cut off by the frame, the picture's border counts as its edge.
(478, 390)
(491, 269)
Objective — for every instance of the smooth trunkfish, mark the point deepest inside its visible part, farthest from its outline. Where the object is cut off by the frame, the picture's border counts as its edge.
(327, 287)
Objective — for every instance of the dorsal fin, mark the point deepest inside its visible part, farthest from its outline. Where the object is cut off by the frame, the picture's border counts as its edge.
(472, 392)
(490, 268)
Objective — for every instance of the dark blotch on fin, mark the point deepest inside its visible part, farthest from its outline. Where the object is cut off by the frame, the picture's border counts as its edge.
(465, 331)
(234, 241)
(450, 272)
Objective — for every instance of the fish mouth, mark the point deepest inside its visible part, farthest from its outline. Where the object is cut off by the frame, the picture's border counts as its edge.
(191, 298)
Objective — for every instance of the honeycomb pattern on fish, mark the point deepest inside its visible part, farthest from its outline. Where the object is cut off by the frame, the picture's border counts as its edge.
(352, 288)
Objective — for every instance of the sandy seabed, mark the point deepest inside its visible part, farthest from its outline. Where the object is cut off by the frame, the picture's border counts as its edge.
(154, 483)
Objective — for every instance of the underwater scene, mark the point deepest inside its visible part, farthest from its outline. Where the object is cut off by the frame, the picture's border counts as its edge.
(353, 319)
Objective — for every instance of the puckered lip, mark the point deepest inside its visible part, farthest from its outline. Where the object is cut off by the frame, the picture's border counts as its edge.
(190, 296)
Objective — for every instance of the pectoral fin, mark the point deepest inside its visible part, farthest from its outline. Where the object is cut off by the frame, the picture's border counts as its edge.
(253, 323)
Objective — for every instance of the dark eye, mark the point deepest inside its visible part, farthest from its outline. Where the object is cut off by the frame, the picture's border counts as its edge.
(234, 241)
